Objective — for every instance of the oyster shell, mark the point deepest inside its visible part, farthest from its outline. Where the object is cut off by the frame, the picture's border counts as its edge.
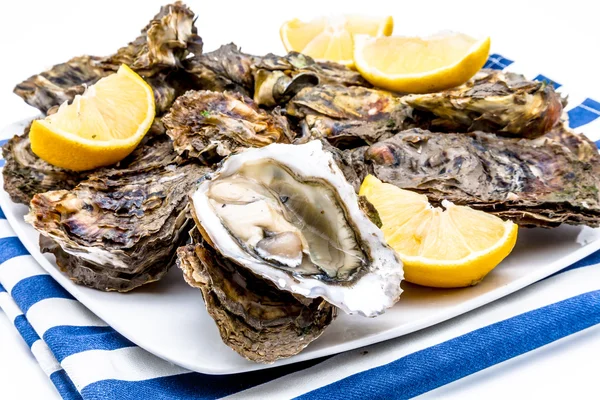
(543, 182)
(278, 79)
(167, 40)
(120, 227)
(287, 214)
(348, 116)
(493, 101)
(225, 69)
(61, 83)
(211, 125)
(155, 54)
(25, 174)
(271, 80)
(254, 318)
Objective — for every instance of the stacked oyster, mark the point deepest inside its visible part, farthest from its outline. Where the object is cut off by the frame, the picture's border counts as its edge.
(248, 178)
(114, 228)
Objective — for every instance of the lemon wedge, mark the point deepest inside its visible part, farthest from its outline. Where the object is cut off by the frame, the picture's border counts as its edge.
(330, 39)
(416, 65)
(100, 127)
(449, 248)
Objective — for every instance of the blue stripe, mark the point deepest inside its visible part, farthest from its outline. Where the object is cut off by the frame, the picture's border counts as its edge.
(64, 385)
(584, 113)
(592, 259)
(2, 162)
(496, 61)
(36, 288)
(438, 365)
(67, 340)
(2, 288)
(598, 144)
(543, 78)
(188, 386)
(2, 216)
(3, 142)
(11, 247)
(26, 330)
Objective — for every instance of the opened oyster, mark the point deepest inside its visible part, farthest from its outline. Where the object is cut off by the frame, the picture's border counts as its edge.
(493, 101)
(287, 214)
(211, 125)
(543, 182)
(119, 228)
(257, 320)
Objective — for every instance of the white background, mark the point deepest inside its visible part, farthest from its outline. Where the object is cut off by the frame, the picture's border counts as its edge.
(561, 38)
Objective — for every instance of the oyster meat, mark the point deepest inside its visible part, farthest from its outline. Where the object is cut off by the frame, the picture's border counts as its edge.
(544, 182)
(504, 103)
(155, 54)
(211, 125)
(254, 318)
(287, 214)
(119, 228)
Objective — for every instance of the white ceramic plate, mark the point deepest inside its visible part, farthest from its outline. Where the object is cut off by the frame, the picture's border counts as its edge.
(168, 318)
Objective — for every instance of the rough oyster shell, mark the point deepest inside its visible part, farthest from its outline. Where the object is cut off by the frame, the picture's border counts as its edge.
(348, 116)
(543, 182)
(493, 101)
(167, 40)
(286, 213)
(225, 69)
(277, 79)
(155, 54)
(211, 125)
(25, 174)
(254, 318)
(121, 226)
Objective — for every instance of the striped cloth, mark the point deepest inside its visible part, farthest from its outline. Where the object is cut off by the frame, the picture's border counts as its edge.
(86, 359)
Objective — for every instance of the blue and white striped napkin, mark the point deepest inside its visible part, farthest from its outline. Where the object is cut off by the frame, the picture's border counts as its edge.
(86, 359)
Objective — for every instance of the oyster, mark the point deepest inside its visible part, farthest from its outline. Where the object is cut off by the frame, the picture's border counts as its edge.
(225, 69)
(348, 116)
(278, 79)
(61, 83)
(254, 318)
(167, 40)
(163, 43)
(120, 227)
(493, 101)
(287, 214)
(271, 80)
(25, 174)
(211, 125)
(543, 182)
